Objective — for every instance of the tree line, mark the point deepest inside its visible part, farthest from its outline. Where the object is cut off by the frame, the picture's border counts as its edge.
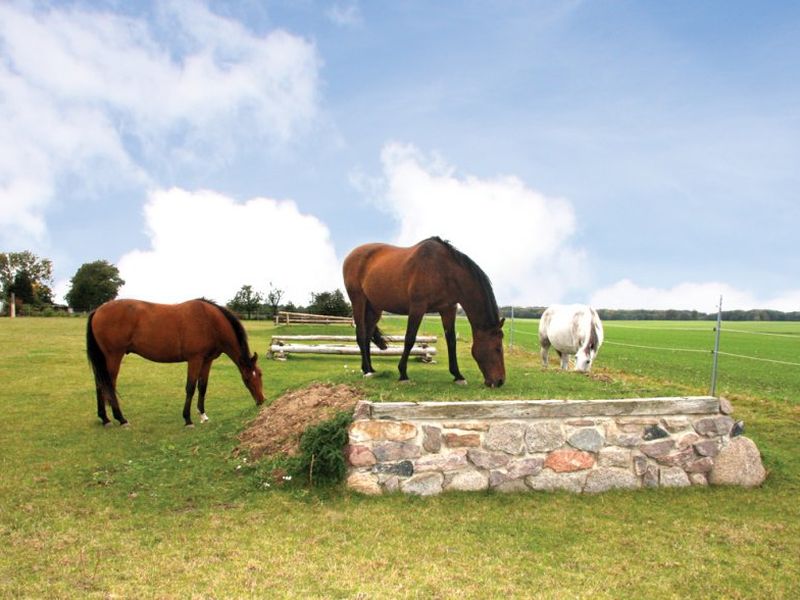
(249, 303)
(28, 279)
(606, 314)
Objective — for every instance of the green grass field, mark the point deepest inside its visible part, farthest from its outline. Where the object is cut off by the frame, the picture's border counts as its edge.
(157, 510)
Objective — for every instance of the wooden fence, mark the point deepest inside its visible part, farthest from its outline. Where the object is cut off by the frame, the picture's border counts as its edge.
(282, 345)
(289, 318)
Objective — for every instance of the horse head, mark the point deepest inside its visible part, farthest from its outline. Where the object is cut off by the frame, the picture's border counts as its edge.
(251, 376)
(584, 358)
(487, 350)
(586, 354)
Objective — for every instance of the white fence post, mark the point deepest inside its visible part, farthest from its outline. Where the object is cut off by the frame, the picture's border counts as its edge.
(716, 350)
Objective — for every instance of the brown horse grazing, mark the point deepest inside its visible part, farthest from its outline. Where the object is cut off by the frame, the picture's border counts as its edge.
(197, 331)
(431, 276)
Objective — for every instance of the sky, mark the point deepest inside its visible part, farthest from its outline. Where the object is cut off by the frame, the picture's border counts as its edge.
(627, 154)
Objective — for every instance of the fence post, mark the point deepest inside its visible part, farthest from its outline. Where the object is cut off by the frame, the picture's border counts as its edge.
(716, 350)
(12, 311)
(511, 340)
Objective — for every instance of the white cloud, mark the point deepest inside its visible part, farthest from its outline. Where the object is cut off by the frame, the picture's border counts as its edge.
(704, 297)
(206, 244)
(518, 236)
(345, 14)
(82, 89)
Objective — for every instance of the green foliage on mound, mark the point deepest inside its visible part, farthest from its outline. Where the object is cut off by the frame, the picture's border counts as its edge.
(321, 460)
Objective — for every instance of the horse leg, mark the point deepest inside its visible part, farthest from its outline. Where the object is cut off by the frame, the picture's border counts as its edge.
(359, 316)
(202, 385)
(113, 362)
(101, 404)
(371, 318)
(545, 346)
(192, 375)
(564, 360)
(449, 324)
(414, 320)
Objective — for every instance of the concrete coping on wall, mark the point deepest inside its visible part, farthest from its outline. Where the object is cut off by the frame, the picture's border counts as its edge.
(524, 445)
(532, 409)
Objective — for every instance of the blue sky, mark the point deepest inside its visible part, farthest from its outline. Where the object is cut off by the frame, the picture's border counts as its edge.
(627, 154)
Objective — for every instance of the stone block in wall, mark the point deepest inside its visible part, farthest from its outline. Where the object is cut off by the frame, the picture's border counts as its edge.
(675, 424)
(673, 477)
(544, 436)
(738, 463)
(603, 479)
(394, 431)
(404, 468)
(451, 461)
(462, 440)
(466, 481)
(359, 456)
(707, 447)
(483, 459)
(424, 484)
(505, 437)
(710, 426)
(614, 456)
(550, 481)
(394, 451)
(364, 483)
(565, 461)
(431, 438)
(658, 448)
(523, 467)
(588, 439)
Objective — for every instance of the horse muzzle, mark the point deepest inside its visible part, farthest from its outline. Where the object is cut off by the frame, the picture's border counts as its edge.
(494, 384)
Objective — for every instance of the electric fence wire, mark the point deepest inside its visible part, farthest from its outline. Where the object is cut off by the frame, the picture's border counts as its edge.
(694, 350)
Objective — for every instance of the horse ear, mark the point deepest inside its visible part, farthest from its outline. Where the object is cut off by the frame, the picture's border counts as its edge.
(255, 357)
(502, 322)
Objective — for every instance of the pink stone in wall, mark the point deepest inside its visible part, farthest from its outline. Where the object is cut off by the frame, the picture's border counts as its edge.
(565, 461)
(359, 456)
(393, 431)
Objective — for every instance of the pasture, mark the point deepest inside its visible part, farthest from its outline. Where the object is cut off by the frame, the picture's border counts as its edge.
(158, 510)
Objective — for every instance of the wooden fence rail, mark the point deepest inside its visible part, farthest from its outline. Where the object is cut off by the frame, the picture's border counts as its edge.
(289, 318)
(282, 345)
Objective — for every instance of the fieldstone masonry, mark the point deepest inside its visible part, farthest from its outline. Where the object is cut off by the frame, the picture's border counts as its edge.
(585, 446)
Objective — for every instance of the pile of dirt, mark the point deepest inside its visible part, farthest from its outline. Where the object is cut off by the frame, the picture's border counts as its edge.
(277, 428)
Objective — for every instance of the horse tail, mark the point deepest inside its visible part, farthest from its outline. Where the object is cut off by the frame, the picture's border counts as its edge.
(377, 337)
(96, 358)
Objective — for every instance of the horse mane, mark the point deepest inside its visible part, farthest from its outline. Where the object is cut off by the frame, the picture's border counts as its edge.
(492, 310)
(238, 330)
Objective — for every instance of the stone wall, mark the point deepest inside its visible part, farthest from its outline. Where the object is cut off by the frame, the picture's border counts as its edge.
(577, 445)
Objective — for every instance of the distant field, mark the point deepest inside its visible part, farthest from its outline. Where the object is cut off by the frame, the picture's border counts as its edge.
(157, 510)
(681, 352)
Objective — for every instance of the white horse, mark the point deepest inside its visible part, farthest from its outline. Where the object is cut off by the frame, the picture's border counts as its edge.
(571, 330)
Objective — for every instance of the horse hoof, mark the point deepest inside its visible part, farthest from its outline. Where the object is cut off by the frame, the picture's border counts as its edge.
(461, 382)
(126, 425)
(190, 426)
(404, 381)
(203, 417)
(367, 375)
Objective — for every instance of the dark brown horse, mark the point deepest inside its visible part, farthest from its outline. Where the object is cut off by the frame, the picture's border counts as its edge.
(431, 276)
(197, 331)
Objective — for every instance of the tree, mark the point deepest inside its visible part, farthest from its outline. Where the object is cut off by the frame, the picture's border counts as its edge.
(26, 275)
(246, 301)
(93, 284)
(274, 299)
(330, 303)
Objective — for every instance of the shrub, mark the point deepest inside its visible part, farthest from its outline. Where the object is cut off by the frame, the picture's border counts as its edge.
(321, 458)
